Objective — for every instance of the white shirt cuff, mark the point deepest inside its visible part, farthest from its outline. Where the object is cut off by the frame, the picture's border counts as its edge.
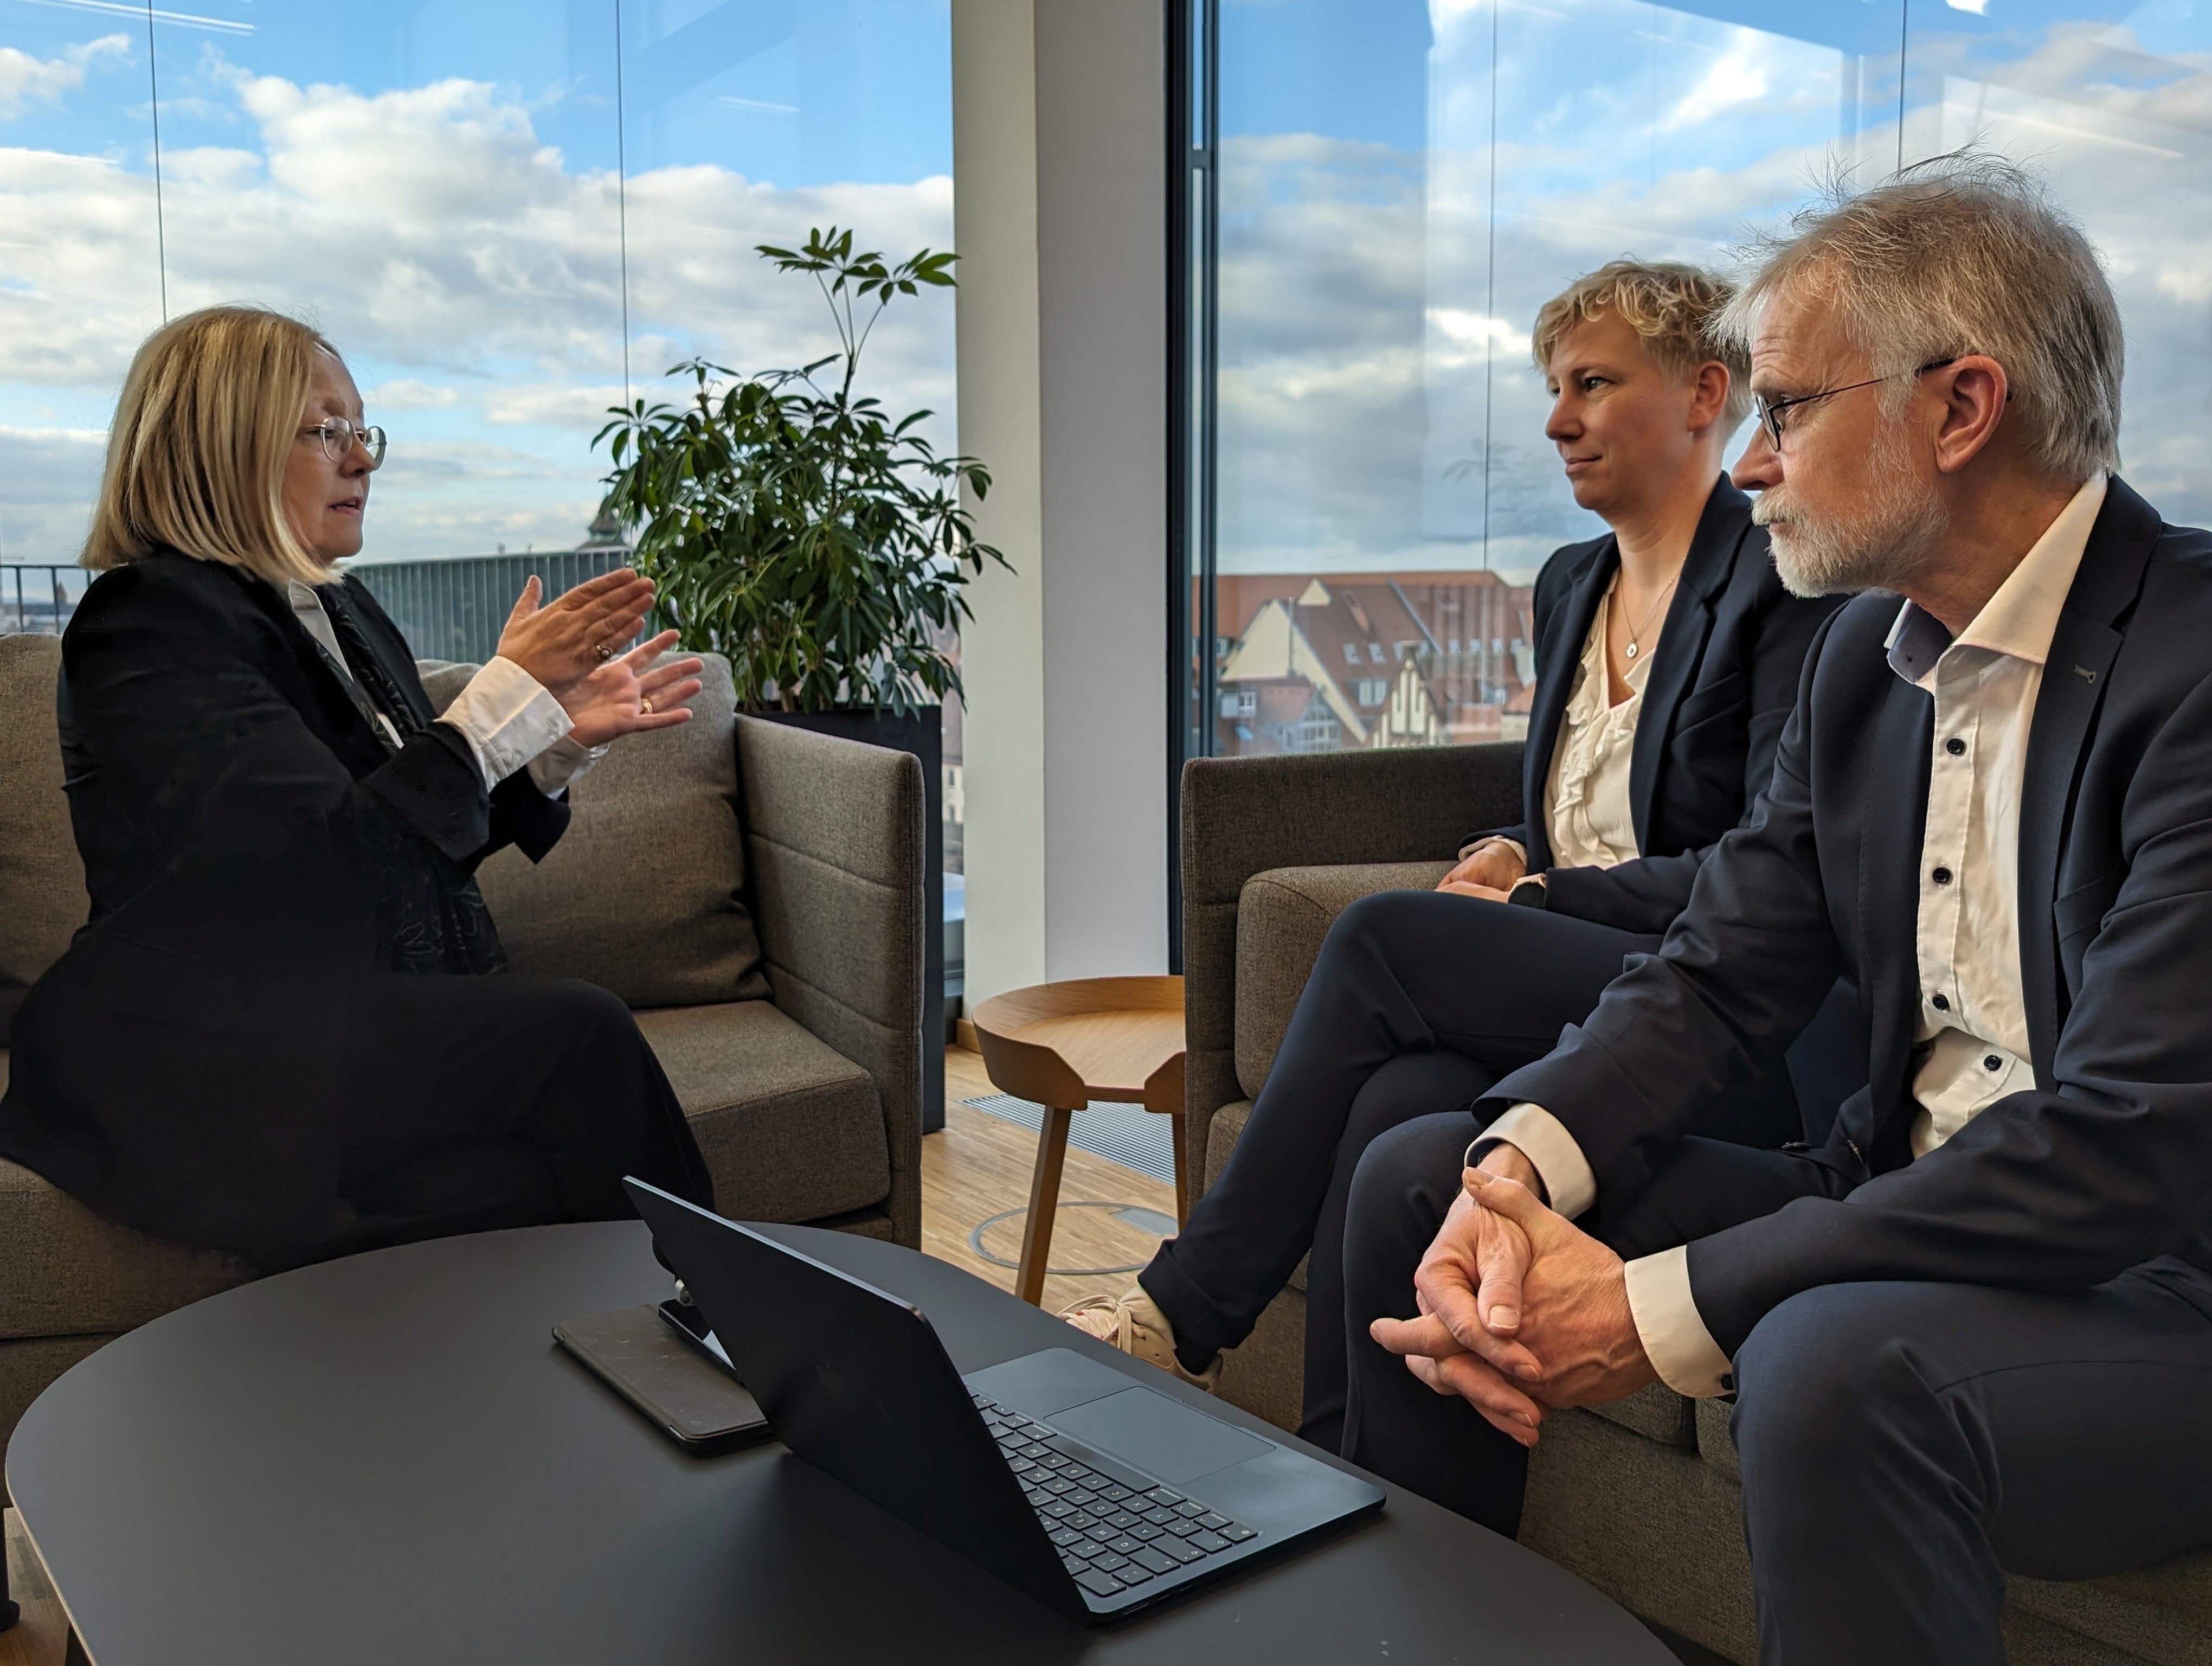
(1544, 1141)
(1519, 849)
(508, 718)
(556, 768)
(1676, 1340)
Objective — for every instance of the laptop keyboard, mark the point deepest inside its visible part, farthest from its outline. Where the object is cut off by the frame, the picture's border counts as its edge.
(1111, 1537)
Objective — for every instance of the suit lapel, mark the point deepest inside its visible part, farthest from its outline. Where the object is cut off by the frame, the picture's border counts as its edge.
(1680, 648)
(2074, 675)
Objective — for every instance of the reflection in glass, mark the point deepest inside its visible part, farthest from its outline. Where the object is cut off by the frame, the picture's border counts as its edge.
(1402, 183)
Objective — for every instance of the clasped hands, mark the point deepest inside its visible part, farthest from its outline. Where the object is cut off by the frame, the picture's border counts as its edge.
(564, 646)
(1522, 1312)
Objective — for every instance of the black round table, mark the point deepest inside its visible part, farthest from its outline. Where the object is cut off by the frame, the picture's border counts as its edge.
(386, 1458)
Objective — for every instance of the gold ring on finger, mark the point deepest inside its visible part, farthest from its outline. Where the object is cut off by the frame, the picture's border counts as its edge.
(646, 707)
(605, 653)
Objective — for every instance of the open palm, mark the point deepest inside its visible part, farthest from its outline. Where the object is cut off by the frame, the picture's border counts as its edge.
(630, 694)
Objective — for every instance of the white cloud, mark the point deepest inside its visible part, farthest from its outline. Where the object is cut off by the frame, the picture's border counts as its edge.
(26, 81)
(1742, 75)
(553, 405)
(452, 253)
(1366, 334)
(408, 393)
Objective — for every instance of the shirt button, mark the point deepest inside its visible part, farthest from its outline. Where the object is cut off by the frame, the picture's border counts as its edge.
(1956, 747)
(1942, 876)
(1993, 1062)
(1939, 1001)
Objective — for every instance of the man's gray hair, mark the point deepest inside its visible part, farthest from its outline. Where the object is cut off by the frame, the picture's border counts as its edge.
(1961, 253)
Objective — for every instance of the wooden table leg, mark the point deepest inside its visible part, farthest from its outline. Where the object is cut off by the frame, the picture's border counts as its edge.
(1044, 1198)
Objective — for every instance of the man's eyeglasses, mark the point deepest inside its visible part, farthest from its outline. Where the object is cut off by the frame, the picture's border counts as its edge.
(339, 437)
(1769, 412)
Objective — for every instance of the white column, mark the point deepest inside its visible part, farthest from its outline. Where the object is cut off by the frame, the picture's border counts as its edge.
(1002, 648)
(1058, 136)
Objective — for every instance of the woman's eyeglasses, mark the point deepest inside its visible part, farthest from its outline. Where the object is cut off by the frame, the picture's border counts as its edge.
(339, 436)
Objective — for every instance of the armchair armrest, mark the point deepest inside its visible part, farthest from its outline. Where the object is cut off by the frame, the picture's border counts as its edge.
(834, 856)
(1246, 815)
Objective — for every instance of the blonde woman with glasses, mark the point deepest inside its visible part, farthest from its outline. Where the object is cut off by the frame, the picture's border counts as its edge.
(275, 1034)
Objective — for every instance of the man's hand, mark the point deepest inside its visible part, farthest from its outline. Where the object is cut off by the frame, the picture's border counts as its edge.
(1520, 1308)
(1469, 1291)
(1492, 865)
(559, 644)
(613, 699)
(1574, 1311)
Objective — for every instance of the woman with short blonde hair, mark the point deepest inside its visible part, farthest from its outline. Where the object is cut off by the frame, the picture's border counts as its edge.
(274, 1035)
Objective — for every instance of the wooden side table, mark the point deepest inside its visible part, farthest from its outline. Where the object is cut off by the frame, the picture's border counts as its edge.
(1062, 1045)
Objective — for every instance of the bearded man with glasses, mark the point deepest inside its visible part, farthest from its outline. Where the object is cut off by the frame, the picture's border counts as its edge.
(1972, 1334)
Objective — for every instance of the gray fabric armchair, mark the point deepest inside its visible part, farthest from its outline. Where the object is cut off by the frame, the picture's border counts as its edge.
(1641, 1498)
(754, 890)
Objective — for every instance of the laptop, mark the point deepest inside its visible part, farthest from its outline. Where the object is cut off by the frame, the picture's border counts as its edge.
(1068, 1479)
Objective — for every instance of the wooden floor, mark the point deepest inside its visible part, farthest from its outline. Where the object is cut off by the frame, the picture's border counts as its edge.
(978, 1167)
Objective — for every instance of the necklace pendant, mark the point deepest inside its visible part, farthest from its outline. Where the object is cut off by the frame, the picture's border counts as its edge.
(1632, 650)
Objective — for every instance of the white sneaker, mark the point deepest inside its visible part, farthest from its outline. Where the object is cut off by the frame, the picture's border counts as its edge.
(1132, 1323)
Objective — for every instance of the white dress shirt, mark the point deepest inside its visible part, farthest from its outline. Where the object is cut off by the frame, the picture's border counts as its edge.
(1973, 1015)
(508, 716)
(1587, 814)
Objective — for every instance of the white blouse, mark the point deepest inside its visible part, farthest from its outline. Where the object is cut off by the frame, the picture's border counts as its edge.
(1586, 809)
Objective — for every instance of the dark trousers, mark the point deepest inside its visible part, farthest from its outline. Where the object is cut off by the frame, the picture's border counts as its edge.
(477, 1102)
(1903, 1445)
(1419, 1002)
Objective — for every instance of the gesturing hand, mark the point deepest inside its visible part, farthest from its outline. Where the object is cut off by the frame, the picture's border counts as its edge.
(1494, 865)
(630, 693)
(559, 644)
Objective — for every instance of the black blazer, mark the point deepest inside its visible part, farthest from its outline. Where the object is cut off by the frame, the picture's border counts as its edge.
(1723, 677)
(253, 851)
(2108, 1162)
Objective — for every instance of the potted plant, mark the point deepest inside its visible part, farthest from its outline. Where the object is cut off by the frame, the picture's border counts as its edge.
(797, 528)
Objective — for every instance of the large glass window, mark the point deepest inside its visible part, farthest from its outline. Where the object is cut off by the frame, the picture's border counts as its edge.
(510, 215)
(1396, 186)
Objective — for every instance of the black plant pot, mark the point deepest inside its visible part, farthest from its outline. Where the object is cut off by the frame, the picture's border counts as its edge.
(922, 735)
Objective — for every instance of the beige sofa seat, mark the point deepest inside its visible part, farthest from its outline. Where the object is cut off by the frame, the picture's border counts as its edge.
(1641, 1497)
(791, 1128)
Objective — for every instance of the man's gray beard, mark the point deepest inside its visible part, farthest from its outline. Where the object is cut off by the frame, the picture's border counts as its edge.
(1880, 547)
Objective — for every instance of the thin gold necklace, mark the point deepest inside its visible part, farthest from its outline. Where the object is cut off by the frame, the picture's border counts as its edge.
(1636, 632)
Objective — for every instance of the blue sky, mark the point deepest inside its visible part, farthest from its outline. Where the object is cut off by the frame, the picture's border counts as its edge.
(1383, 262)
(435, 185)
(434, 182)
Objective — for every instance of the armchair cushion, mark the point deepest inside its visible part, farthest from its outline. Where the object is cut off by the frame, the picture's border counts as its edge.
(792, 1130)
(42, 894)
(1282, 916)
(660, 810)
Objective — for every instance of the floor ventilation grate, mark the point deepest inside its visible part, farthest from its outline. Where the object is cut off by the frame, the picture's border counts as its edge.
(1127, 1134)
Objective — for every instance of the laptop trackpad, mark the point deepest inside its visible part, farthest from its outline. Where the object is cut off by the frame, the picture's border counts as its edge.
(1154, 1433)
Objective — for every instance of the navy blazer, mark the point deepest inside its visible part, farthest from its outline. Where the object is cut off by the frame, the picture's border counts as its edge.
(253, 851)
(1724, 674)
(2107, 1161)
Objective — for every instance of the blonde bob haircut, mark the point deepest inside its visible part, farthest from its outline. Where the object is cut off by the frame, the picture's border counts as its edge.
(1672, 307)
(196, 460)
